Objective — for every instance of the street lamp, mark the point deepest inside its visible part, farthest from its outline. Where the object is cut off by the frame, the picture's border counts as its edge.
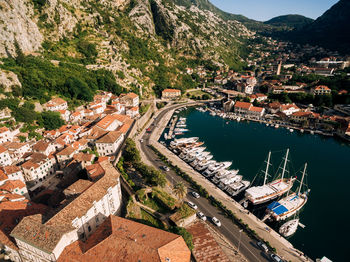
(239, 242)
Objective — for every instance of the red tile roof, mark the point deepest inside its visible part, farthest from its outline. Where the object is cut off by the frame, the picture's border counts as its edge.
(243, 105)
(120, 239)
(256, 109)
(171, 91)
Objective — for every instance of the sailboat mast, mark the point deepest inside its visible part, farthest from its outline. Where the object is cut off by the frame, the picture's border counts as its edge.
(267, 167)
(302, 179)
(285, 164)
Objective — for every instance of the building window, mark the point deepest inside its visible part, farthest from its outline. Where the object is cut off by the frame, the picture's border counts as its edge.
(89, 228)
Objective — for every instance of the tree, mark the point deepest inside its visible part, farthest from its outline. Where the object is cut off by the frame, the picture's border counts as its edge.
(131, 154)
(180, 190)
(51, 120)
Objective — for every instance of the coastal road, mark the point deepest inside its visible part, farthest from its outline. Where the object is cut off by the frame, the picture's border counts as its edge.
(247, 246)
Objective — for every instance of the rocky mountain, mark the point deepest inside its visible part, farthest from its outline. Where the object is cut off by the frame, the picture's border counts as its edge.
(289, 21)
(143, 42)
(329, 30)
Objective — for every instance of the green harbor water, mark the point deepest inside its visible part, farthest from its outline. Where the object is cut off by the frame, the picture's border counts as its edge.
(246, 144)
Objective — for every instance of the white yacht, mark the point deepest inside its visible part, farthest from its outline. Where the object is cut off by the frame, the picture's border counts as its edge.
(204, 165)
(289, 228)
(235, 188)
(215, 167)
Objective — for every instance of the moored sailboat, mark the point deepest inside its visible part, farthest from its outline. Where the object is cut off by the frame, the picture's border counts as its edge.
(292, 203)
(268, 191)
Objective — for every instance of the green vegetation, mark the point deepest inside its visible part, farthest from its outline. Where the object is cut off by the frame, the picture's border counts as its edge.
(180, 190)
(185, 211)
(144, 108)
(51, 120)
(164, 198)
(130, 153)
(132, 157)
(41, 79)
(25, 113)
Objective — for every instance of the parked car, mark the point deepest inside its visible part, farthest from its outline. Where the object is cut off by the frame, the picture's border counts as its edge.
(201, 216)
(195, 194)
(216, 221)
(263, 246)
(166, 168)
(276, 258)
(141, 140)
(192, 205)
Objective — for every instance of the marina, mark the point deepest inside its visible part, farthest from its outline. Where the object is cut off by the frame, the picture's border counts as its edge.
(245, 143)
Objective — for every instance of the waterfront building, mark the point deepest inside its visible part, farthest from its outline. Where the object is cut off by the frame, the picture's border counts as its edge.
(171, 93)
(256, 112)
(289, 109)
(242, 108)
(228, 106)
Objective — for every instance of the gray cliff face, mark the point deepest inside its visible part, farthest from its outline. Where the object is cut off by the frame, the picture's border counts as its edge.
(17, 24)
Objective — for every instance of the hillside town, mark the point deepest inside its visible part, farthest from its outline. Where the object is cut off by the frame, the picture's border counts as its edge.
(61, 195)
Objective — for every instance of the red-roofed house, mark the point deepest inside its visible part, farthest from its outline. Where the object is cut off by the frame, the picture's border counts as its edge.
(130, 100)
(15, 187)
(289, 109)
(56, 104)
(321, 90)
(256, 112)
(132, 112)
(5, 158)
(64, 114)
(171, 93)
(242, 108)
(11, 173)
(109, 143)
(109, 123)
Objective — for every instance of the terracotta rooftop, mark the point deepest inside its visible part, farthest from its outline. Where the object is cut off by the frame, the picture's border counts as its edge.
(2, 149)
(171, 91)
(3, 129)
(110, 137)
(79, 206)
(11, 169)
(12, 212)
(41, 146)
(206, 249)
(11, 185)
(131, 95)
(256, 109)
(120, 239)
(84, 157)
(57, 101)
(3, 176)
(244, 105)
(66, 151)
(78, 187)
(106, 122)
(322, 87)
(95, 171)
(31, 230)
